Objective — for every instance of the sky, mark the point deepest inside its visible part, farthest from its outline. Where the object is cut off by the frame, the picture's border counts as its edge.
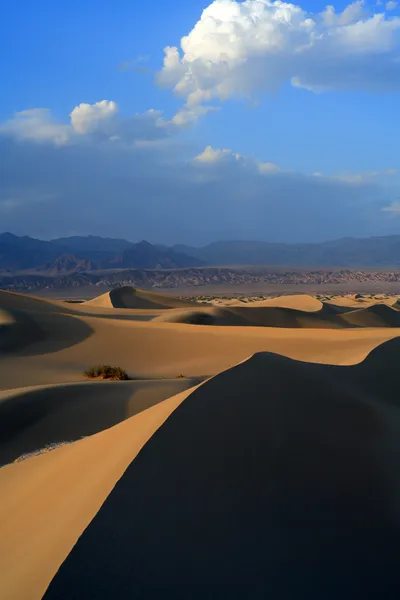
(191, 122)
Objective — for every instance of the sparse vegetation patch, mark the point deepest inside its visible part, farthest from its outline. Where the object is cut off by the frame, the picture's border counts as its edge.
(107, 372)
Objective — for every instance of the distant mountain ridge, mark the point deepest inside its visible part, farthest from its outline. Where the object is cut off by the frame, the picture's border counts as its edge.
(91, 253)
(79, 254)
(146, 256)
(346, 252)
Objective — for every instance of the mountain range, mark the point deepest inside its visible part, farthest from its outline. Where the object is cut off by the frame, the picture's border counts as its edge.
(92, 253)
(82, 254)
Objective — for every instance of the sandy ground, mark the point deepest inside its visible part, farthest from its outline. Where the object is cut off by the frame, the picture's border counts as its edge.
(252, 441)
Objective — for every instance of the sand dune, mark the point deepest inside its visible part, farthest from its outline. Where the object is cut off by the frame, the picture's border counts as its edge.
(280, 463)
(16, 331)
(65, 488)
(33, 418)
(129, 297)
(253, 473)
(357, 301)
(328, 317)
(298, 302)
(378, 315)
(251, 317)
(71, 342)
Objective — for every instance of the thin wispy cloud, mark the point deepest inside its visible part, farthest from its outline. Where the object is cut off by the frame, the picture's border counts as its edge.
(137, 65)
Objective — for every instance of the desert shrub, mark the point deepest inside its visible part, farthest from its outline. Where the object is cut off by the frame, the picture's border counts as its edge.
(107, 372)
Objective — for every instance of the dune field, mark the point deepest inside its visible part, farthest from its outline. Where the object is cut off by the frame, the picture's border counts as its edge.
(252, 453)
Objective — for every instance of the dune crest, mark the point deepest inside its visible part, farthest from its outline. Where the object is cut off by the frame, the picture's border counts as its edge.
(129, 297)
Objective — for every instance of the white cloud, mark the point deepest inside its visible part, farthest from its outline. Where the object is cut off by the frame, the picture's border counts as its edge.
(189, 114)
(391, 5)
(101, 119)
(245, 48)
(36, 124)
(212, 156)
(86, 118)
(219, 156)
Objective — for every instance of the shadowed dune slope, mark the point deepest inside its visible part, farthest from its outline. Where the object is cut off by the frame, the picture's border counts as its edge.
(17, 330)
(33, 418)
(252, 317)
(378, 315)
(328, 317)
(129, 297)
(274, 479)
(36, 326)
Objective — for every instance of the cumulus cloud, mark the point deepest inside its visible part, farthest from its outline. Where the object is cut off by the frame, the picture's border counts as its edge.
(101, 120)
(246, 48)
(88, 117)
(215, 157)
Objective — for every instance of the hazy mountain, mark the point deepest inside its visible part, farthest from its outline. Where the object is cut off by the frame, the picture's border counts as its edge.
(68, 263)
(19, 253)
(146, 256)
(77, 254)
(93, 247)
(347, 252)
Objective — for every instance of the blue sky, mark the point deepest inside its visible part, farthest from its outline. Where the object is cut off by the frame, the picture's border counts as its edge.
(311, 92)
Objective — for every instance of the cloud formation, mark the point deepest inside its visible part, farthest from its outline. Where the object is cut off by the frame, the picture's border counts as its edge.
(73, 184)
(242, 49)
(36, 125)
(101, 119)
(89, 117)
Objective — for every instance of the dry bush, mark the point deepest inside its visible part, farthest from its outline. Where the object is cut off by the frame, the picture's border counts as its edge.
(107, 372)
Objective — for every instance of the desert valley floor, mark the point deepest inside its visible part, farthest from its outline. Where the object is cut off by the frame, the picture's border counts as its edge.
(252, 453)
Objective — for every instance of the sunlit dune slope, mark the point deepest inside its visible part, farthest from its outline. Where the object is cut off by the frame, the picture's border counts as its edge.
(51, 343)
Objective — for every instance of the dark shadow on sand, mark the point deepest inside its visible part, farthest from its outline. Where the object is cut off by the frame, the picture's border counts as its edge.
(66, 413)
(43, 332)
(272, 480)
